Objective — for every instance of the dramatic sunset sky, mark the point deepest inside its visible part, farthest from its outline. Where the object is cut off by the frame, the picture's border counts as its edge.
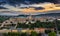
(28, 6)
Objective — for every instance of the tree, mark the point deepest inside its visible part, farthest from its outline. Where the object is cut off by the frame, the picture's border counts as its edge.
(24, 34)
(5, 34)
(33, 33)
(52, 34)
(12, 34)
(37, 24)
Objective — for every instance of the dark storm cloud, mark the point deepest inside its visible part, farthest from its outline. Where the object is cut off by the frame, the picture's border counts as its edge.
(32, 1)
(39, 8)
(18, 2)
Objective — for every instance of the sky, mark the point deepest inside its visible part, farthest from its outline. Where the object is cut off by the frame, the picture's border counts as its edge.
(29, 1)
(29, 6)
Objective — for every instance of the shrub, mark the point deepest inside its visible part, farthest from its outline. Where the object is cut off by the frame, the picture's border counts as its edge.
(52, 34)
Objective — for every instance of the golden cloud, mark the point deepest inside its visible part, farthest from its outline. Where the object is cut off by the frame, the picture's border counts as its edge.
(47, 8)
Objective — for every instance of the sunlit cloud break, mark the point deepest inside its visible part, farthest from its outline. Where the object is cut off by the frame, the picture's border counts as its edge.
(31, 8)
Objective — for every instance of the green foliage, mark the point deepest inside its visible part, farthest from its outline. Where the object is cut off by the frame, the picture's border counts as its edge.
(48, 24)
(47, 31)
(33, 33)
(12, 34)
(5, 34)
(58, 24)
(22, 25)
(37, 24)
(24, 34)
(3, 19)
(52, 34)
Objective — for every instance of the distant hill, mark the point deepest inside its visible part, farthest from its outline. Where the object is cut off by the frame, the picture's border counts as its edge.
(39, 15)
(49, 14)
